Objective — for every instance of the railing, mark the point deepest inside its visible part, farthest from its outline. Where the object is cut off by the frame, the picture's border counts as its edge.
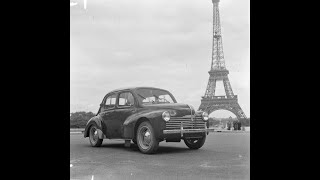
(219, 97)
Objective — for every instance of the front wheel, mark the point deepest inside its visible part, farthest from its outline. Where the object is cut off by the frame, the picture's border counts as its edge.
(195, 143)
(146, 139)
(94, 137)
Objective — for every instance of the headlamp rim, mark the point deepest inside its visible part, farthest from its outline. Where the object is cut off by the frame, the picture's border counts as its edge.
(163, 114)
(205, 115)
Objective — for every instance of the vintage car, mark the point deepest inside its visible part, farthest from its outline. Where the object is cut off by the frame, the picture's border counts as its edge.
(146, 116)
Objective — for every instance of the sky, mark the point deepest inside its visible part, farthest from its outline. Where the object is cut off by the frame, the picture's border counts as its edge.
(158, 43)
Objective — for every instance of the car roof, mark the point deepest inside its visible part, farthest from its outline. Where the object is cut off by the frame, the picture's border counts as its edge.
(132, 88)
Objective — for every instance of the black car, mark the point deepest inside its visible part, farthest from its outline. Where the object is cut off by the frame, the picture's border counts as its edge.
(146, 116)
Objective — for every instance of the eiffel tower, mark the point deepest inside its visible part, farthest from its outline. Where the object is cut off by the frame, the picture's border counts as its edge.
(218, 72)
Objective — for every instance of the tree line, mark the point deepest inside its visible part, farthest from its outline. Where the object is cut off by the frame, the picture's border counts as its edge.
(80, 119)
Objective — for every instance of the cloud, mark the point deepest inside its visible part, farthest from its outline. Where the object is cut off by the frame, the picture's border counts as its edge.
(166, 44)
(73, 4)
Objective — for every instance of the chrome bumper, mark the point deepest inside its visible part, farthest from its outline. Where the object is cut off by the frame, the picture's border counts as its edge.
(184, 131)
(174, 131)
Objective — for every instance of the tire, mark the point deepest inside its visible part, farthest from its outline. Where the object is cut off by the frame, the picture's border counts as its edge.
(94, 137)
(146, 140)
(195, 143)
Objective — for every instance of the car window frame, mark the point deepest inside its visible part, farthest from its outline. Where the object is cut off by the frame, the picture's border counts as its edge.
(126, 107)
(105, 99)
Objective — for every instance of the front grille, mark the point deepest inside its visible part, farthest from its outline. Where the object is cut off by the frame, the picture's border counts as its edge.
(175, 123)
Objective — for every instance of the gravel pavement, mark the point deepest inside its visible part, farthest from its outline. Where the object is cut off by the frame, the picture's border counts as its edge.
(223, 156)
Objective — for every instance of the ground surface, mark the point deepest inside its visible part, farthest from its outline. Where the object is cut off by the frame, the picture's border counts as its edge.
(223, 156)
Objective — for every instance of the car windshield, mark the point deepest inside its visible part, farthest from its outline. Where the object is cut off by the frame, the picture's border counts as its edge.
(154, 96)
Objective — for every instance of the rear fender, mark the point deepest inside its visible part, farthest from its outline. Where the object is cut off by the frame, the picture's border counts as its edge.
(96, 120)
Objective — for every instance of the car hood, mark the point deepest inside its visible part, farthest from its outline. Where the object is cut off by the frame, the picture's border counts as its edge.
(180, 108)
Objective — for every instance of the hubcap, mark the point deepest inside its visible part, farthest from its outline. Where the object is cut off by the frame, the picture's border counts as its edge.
(147, 137)
(192, 141)
(94, 135)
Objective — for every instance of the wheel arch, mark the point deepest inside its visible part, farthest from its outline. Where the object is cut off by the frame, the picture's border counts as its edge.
(94, 121)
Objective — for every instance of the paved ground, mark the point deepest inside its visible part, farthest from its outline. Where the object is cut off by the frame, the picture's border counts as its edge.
(223, 156)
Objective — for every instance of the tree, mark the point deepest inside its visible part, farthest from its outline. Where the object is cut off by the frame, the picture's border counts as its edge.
(80, 119)
(213, 121)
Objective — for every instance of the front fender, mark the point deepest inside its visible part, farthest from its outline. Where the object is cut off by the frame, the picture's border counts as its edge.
(154, 117)
(97, 120)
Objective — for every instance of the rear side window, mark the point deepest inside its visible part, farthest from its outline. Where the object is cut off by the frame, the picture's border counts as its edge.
(111, 101)
(126, 99)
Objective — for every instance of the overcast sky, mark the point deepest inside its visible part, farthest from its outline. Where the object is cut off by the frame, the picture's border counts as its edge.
(158, 43)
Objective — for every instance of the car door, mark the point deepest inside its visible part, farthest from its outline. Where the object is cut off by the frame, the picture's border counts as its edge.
(107, 111)
(125, 108)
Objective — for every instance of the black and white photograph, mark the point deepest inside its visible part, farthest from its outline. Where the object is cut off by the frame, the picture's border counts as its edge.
(159, 89)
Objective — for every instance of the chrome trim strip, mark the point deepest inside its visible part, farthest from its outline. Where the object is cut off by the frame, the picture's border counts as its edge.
(191, 113)
(181, 130)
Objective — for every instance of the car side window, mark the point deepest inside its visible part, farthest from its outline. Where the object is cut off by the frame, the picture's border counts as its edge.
(126, 99)
(110, 102)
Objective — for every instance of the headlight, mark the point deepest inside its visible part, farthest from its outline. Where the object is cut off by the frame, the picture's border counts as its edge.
(166, 116)
(205, 116)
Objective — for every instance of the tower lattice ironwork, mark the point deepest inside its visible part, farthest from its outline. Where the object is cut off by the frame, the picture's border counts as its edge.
(218, 72)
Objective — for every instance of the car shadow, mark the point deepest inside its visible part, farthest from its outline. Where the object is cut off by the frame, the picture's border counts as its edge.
(168, 150)
(134, 148)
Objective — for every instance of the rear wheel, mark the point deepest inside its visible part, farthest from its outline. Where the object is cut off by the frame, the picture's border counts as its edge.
(146, 140)
(195, 143)
(94, 137)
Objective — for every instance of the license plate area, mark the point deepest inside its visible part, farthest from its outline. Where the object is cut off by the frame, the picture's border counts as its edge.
(193, 135)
